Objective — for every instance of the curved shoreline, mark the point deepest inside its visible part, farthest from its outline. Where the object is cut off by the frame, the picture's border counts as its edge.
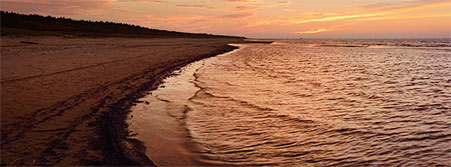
(114, 126)
(159, 119)
(133, 150)
(76, 115)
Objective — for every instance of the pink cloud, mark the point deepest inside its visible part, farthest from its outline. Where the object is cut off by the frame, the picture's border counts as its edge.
(145, 1)
(242, 8)
(67, 8)
(51, 7)
(195, 6)
(395, 5)
(284, 2)
(243, 1)
(152, 1)
(238, 16)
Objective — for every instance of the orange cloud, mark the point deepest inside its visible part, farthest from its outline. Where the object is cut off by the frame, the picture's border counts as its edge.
(346, 21)
(406, 17)
(182, 20)
(61, 7)
(246, 16)
(313, 31)
(153, 1)
(269, 5)
(260, 22)
(242, 8)
(395, 5)
(238, 16)
(289, 10)
(243, 1)
(369, 16)
(284, 2)
(299, 21)
(195, 6)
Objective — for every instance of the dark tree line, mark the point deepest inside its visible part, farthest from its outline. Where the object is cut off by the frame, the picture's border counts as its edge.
(22, 24)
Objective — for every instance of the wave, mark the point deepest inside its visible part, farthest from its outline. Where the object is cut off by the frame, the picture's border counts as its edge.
(340, 103)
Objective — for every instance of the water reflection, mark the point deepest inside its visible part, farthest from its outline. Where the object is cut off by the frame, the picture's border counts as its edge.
(328, 105)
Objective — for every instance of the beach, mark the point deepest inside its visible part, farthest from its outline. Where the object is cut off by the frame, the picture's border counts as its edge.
(64, 101)
(315, 102)
(225, 83)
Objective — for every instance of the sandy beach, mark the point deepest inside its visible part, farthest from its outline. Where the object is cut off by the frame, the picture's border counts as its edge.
(225, 83)
(64, 100)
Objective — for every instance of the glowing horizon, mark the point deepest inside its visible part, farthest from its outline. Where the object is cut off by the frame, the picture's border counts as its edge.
(261, 18)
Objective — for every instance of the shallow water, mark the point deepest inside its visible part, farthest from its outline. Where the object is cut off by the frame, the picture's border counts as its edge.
(317, 103)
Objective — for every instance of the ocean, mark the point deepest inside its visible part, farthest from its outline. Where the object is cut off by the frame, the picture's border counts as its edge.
(305, 102)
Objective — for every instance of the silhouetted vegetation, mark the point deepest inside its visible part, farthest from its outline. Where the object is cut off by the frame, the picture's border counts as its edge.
(36, 25)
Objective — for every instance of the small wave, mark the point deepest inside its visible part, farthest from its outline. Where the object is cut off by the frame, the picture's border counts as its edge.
(284, 118)
(327, 102)
(240, 102)
(423, 138)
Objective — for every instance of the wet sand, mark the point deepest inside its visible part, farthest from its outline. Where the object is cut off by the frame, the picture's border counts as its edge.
(64, 101)
(159, 121)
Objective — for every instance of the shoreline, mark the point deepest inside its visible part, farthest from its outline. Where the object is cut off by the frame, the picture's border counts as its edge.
(159, 118)
(136, 152)
(134, 149)
(69, 105)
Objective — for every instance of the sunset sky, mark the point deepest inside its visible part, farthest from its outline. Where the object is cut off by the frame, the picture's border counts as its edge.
(262, 18)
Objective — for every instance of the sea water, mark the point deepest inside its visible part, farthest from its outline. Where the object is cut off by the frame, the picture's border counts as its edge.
(309, 102)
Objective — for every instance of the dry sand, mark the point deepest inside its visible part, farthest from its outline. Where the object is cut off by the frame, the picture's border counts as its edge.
(64, 100)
